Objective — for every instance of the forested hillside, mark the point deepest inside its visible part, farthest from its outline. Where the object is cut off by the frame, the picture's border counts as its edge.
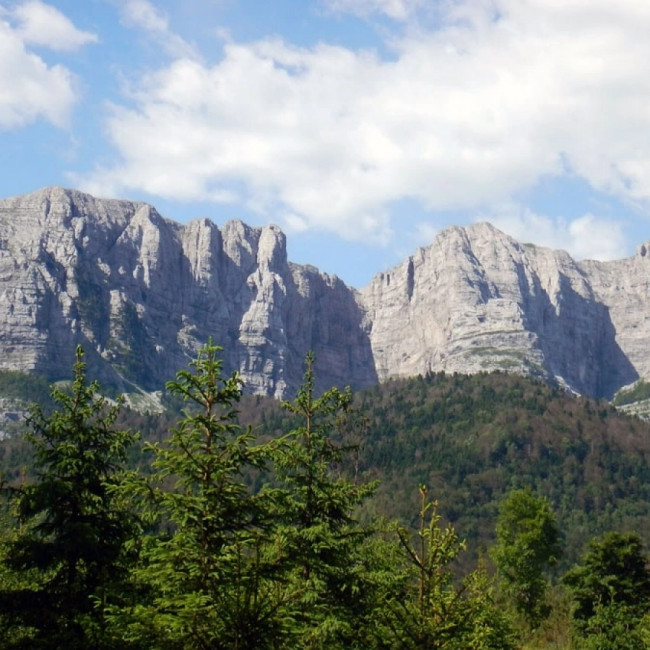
(472, 438)
(329, 521)
(469, 438)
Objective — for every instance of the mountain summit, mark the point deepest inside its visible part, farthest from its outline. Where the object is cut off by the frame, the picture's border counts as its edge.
(142, 293)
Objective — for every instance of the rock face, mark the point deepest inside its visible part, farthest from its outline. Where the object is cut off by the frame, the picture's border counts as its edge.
(478, 300)
(142, 294)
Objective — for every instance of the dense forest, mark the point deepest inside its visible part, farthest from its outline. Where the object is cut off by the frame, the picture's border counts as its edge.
(485, 511)
(473, 438)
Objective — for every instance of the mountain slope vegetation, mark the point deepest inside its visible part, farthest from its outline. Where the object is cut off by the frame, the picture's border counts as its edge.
(470, 439)
(333, 484)
(473, 438)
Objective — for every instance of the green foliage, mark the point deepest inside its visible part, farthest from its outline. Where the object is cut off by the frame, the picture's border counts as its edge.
(472, 439)
(612, 627)
(15, 631)
(244, 542)
(207, 580)
(72, 539)
(610, 586)
(320, 539)
(639, 392)
(25, 387)
(429, 610)
(528, 542)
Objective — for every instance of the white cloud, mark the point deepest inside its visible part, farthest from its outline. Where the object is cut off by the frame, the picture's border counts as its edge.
(43, 25)
(585, 237)
(597, 239)
(29, 88)
(395, 9)
(501, 94)
(146, 16)
(140, 13)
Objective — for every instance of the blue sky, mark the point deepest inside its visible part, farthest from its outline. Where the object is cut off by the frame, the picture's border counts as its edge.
(360, 127)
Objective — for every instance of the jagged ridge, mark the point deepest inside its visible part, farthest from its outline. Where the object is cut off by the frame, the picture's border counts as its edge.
(141, 293)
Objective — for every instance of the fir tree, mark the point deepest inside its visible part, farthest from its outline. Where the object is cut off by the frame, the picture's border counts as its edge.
(207, 582)
(73, 526)
(319, 539)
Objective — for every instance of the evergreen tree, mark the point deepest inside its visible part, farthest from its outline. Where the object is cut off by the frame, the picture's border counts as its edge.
(322, 544)
(15, 628)
(206, 579)
(71, 543)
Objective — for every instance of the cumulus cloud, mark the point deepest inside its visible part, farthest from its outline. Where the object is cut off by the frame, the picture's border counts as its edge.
(29, 88)
(144, 15)
(596, 238)
(585, 237)
(43, 25)
(500, 94)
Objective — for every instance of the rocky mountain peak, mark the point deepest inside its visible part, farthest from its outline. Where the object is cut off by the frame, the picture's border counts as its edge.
(142, 293)
(477, 300)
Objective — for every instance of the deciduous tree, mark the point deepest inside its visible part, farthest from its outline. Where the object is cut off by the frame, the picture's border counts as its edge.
(425, 607)
(611, 592)
(528, 542)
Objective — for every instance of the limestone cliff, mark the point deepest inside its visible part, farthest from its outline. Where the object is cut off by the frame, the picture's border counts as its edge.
(478, 300)
(142, 294)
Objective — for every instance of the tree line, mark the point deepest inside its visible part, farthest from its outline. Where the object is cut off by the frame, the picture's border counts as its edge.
(231, 541)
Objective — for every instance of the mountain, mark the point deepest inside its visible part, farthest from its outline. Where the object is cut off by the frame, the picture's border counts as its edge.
(142, 293)
(477, 299)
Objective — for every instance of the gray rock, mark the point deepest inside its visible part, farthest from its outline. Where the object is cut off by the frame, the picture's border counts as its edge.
(142, 294)
(477, 300)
